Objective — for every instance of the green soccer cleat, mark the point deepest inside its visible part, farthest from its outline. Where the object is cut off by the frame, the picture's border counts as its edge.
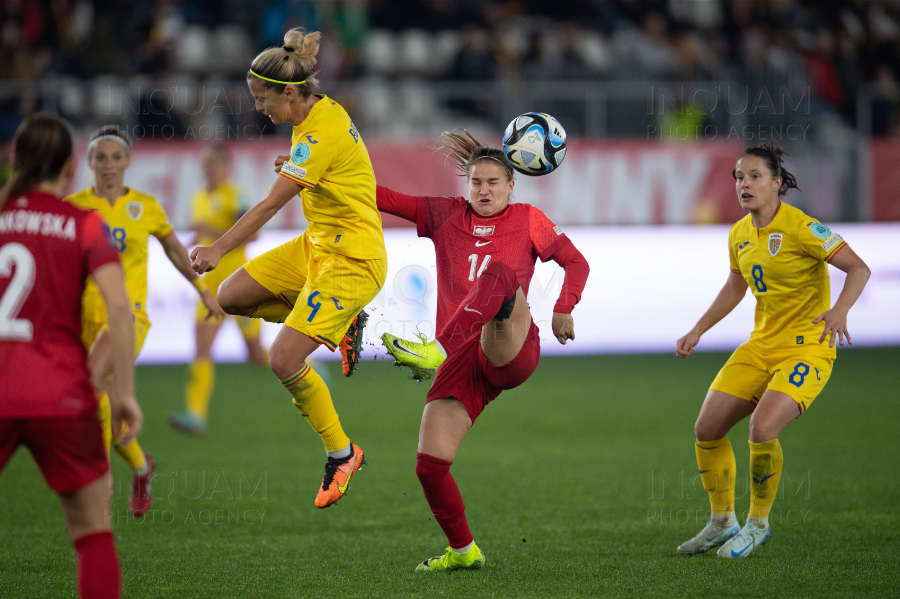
(473, 559)
(187, 423)
(422, 358)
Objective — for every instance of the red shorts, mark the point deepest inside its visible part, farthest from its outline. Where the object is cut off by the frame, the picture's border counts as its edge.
(469, 376)
(69, 451)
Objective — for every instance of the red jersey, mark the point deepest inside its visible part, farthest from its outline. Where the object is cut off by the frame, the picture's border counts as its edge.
(466, 243)
(47, 250)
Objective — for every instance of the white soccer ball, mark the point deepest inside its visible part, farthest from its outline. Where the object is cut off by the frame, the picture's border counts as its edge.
(534, 143)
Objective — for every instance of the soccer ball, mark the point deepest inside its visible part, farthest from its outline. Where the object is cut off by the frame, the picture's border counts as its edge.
(534, 143)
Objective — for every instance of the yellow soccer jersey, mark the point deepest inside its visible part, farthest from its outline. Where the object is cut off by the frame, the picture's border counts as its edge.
(219, 209)
(330, 161)
(785, 266)
(132, 220)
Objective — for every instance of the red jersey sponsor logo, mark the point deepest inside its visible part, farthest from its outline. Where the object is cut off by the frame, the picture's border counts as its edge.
(483, 231)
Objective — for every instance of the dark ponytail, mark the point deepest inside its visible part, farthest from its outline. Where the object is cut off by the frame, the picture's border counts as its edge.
(41, 147)
(772, 154)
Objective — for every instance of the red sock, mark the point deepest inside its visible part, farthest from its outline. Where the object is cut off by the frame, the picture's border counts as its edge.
(444, 498)
(99, 576)
(497, 284)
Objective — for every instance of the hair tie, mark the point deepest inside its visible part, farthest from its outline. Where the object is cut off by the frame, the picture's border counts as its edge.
(110, 137)
(288, 48)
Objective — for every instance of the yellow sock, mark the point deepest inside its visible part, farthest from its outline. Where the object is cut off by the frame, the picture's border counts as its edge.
(717, 471)
(104, 413)
(312, 398)
(199, 387)
(131, 453)
(766, 460)
(272, 311)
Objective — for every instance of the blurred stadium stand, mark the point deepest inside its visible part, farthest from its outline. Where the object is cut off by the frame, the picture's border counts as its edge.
(820, 77)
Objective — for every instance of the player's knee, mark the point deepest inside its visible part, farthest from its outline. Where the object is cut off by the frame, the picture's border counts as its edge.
(762, 430)
(705, 430)
(283, 363)
(429, 469)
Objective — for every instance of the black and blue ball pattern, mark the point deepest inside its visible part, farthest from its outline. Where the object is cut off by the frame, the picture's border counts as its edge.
(534, 143)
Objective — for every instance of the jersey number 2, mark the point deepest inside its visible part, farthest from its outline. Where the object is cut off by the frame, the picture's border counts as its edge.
(474, 260)
(12, 328)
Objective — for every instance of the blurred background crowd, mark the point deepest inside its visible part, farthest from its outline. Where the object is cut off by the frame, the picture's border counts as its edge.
(407, 66)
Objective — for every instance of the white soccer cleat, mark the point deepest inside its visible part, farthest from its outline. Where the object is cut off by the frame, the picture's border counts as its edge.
(712, 535)
(743, 544)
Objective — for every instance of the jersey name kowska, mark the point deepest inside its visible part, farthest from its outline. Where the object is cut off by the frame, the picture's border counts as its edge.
(38, 223)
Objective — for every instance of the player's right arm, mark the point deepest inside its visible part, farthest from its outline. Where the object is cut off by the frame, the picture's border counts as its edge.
(729, 297)
(111, 281)
(280, 193)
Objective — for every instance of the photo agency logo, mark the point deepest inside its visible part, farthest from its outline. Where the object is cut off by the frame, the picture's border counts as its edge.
(193, 112)
(196, 497)
(729, 112)
(685, 488)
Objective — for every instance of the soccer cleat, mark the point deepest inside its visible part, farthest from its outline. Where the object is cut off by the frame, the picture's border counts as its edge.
(422, 358)
(337, 477)
(473, 559)
(743, 544)
(712, 535)
(351, 342)
(188, 423)
(139, 500)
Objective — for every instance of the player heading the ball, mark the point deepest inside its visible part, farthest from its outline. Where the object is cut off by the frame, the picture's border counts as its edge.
(487, 341)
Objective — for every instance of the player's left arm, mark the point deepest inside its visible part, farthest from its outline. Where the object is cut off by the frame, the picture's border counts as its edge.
(551, 244)
(178, 256)
(576, 270)
(858, 274)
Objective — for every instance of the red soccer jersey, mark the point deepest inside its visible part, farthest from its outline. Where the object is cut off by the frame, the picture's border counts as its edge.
(466, 243)
(47, 250)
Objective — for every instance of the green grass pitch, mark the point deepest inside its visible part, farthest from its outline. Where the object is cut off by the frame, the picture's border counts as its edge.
(581, 483)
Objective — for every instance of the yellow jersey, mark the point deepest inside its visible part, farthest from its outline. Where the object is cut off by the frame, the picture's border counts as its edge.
(219, 208)
(330, 161)
(785, 266)
(132, 220)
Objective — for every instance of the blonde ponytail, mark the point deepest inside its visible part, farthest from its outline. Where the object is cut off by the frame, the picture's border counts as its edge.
(464, 151)
(290, 64)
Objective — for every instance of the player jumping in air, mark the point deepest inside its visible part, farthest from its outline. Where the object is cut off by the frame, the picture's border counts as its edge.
(782, 255)
(132, 217)
(47, 403)
(216, 208)
(318, 283)
(487, 341)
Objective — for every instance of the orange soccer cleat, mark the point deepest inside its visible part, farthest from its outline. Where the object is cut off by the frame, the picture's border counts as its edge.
(351, 343)
(337, 477)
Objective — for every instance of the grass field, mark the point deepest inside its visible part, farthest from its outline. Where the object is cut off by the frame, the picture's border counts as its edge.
(579, 484)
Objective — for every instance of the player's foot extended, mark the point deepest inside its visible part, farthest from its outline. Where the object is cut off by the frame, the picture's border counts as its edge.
(351, 343)
(712, 535)
(140, 498)
(421, 358)
(473, 559)
(337, 477)
(743, 544)
(185, 422)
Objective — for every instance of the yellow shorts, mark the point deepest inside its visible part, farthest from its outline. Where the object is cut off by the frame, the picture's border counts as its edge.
(325, 291)
(800, 373)
(231, 262)
(91, 329)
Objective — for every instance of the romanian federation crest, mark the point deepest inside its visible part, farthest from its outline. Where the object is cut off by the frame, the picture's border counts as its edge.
(134, 210)
(774, 243)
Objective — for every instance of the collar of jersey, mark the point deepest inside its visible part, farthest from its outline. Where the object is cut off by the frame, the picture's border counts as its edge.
(778, 214)
(118, 199)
